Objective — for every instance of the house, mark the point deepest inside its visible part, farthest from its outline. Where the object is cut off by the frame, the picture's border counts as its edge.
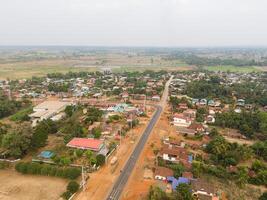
(155, 98)
(182, 106)
(203, 190)
(203, 102)
(125, 96)
(211, 103)
(210, 119)
(197, 127)
(195, 101)
(161, 173)
(173, 154)
(190, 113)
(86, 143)
(240, 102)
(180, 120)
(186, 131)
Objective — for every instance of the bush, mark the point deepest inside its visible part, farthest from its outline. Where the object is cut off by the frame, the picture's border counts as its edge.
(100, 160)
(66, 195)
(73, 187)
(47, 170)
(4, 165)
(263, 196)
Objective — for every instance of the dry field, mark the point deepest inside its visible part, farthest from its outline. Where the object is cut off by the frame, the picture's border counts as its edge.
(14, 186)
(14, 69)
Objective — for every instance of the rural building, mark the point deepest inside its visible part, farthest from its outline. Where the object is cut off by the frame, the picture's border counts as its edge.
(173, 154)
(180, 120)
(86, 143)
(47, 110)
(203, 190)
(161, 173)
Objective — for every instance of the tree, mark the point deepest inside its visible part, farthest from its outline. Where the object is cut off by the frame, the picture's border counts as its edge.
(97, 132)
(100, 160)
(18, 141)
(178, 169)
(183, 192)
(260, 149)
(197, 168)
(213, 133)
(263, 196)
(242, 176)
(39, 138)
(155, 193)
(69, 110)
(66, 195)
(73, 186)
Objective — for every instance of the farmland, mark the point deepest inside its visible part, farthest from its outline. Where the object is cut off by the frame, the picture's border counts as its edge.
(225, 68)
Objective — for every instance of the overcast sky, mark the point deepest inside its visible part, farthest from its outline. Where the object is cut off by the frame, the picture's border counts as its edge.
(133, 22)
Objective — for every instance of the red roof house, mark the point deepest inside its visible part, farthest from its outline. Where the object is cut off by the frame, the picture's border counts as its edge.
(86, 143)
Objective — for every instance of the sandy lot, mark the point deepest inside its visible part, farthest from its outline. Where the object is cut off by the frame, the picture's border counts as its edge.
(14, 186)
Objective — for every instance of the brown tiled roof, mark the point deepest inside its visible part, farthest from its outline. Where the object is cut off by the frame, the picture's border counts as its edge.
(172, 150)
(200, 185)
(163, 171)
(196, 126)
(188, 175)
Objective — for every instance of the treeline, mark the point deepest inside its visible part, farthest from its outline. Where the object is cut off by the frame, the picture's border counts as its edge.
(69, 75)
(253, 93)
(182, 192)
(9, 107)
(58, 87)
(48, 170)
(17, 141)
(204, 61)
(224, 162)
(225, 153)
(208, 89)
(250, 124)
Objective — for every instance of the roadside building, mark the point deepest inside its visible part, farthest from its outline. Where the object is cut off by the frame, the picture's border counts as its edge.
(161, 173)
(203, 190)
(86, 144)
(180, 120)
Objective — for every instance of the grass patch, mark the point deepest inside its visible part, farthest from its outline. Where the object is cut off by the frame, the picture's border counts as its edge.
(22, 115)
(229, 68)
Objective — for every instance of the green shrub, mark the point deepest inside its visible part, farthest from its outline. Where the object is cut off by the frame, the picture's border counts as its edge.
(66, 195)
(73, 186)
(47, 170)
(4, 165)
(100, 160)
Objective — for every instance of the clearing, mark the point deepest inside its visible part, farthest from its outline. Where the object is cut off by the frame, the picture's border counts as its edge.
(15, 186)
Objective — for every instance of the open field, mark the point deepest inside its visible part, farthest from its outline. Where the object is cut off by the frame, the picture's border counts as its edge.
(26, 68)
(15, 186)
(225, 68)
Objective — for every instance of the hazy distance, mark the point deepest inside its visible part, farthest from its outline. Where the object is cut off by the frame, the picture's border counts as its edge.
(134, 22)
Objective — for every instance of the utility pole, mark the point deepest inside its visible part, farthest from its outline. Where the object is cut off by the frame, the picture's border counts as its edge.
(145, 104)
(83, 179)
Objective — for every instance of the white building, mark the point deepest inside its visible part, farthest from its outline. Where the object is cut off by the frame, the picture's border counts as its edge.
(48, 110)
(181, 120)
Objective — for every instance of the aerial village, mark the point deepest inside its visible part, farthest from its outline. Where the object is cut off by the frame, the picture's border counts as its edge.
(91, 122)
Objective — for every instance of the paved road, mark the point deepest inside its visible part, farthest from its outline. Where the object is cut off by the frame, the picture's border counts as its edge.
(127, 170)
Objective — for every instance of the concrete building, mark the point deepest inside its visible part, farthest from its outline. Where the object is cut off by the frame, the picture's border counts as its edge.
(48, 110)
